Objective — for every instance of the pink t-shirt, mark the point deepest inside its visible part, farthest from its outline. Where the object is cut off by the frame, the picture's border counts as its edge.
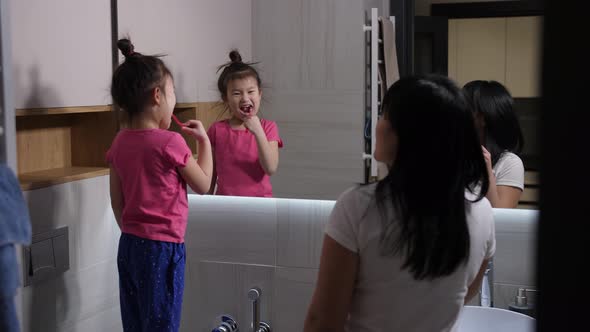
(236, 159)
(154, 193)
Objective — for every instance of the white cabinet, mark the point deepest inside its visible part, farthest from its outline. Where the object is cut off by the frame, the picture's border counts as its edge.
(61, 52)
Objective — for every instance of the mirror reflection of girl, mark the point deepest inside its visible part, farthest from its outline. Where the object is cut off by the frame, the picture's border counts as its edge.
(245, 147)
(406, 253)
(150, 168)
(501, 138)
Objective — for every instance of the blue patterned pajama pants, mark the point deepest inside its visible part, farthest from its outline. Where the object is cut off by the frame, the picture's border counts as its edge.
(151, 284)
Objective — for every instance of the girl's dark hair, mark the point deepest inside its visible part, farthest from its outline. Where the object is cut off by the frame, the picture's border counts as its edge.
(502, 130)
(235, 69)
(135, 79)
(438, 159)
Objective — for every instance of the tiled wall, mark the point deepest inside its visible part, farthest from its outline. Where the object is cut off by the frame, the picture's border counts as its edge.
(238, 243)
(515, 258)
(233, 244)
(312, 63)
(86, 297)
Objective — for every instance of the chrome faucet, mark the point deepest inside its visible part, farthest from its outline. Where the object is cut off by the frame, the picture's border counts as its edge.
(487, 285)
(228, 324)
(257, 325)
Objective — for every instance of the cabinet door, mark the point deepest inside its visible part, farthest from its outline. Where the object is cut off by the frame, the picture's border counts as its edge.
(477, 49)
(61, 52)
(523, 46)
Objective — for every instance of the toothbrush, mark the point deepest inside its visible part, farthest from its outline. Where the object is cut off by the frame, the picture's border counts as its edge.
(180, 124)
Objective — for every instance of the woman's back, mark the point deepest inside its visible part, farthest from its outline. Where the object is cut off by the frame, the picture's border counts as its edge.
(386, 296)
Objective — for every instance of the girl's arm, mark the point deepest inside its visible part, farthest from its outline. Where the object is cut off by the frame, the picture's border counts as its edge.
(333, 294)
(213, 177)
(268, 152)
(117, 202)
(198, 173)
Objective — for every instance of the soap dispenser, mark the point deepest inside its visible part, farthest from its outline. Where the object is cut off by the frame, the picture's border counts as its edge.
(521, 304)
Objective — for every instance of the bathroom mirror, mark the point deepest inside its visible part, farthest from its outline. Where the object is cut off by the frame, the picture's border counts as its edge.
(489, 40)
(311, 63)
(501, 41)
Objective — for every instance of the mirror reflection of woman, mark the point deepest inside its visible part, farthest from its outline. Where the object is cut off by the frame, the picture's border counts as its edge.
(501, 138)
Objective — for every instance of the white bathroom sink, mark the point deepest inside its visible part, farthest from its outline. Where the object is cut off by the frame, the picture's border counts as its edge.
(485, 319)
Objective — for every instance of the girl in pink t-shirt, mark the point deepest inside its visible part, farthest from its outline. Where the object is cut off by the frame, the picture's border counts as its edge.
(149, 170)
(245, 147)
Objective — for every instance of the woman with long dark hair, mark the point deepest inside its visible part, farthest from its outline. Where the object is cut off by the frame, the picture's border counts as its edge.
(501, 139)
(406, 253)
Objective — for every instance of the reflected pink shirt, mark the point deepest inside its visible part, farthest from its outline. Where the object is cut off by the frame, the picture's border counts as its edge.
(154, 193)
(236, 159)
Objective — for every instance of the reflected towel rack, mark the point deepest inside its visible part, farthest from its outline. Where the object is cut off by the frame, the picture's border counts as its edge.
(373, 100)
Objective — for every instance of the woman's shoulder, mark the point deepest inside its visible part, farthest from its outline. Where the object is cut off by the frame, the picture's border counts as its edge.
(358, 196)
(509, 162)
(480, 211)
(508, 156)
(509, 171)
(482, 205)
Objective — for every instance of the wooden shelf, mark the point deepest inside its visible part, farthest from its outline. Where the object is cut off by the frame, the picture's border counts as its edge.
(63, 110)
(59, 145)
(50, 177)
(184, 106)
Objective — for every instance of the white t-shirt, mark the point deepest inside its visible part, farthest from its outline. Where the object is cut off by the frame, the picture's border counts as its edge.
(509, 171)
(387, 298)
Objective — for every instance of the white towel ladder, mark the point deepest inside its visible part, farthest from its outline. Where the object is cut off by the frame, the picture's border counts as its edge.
(374, 101)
